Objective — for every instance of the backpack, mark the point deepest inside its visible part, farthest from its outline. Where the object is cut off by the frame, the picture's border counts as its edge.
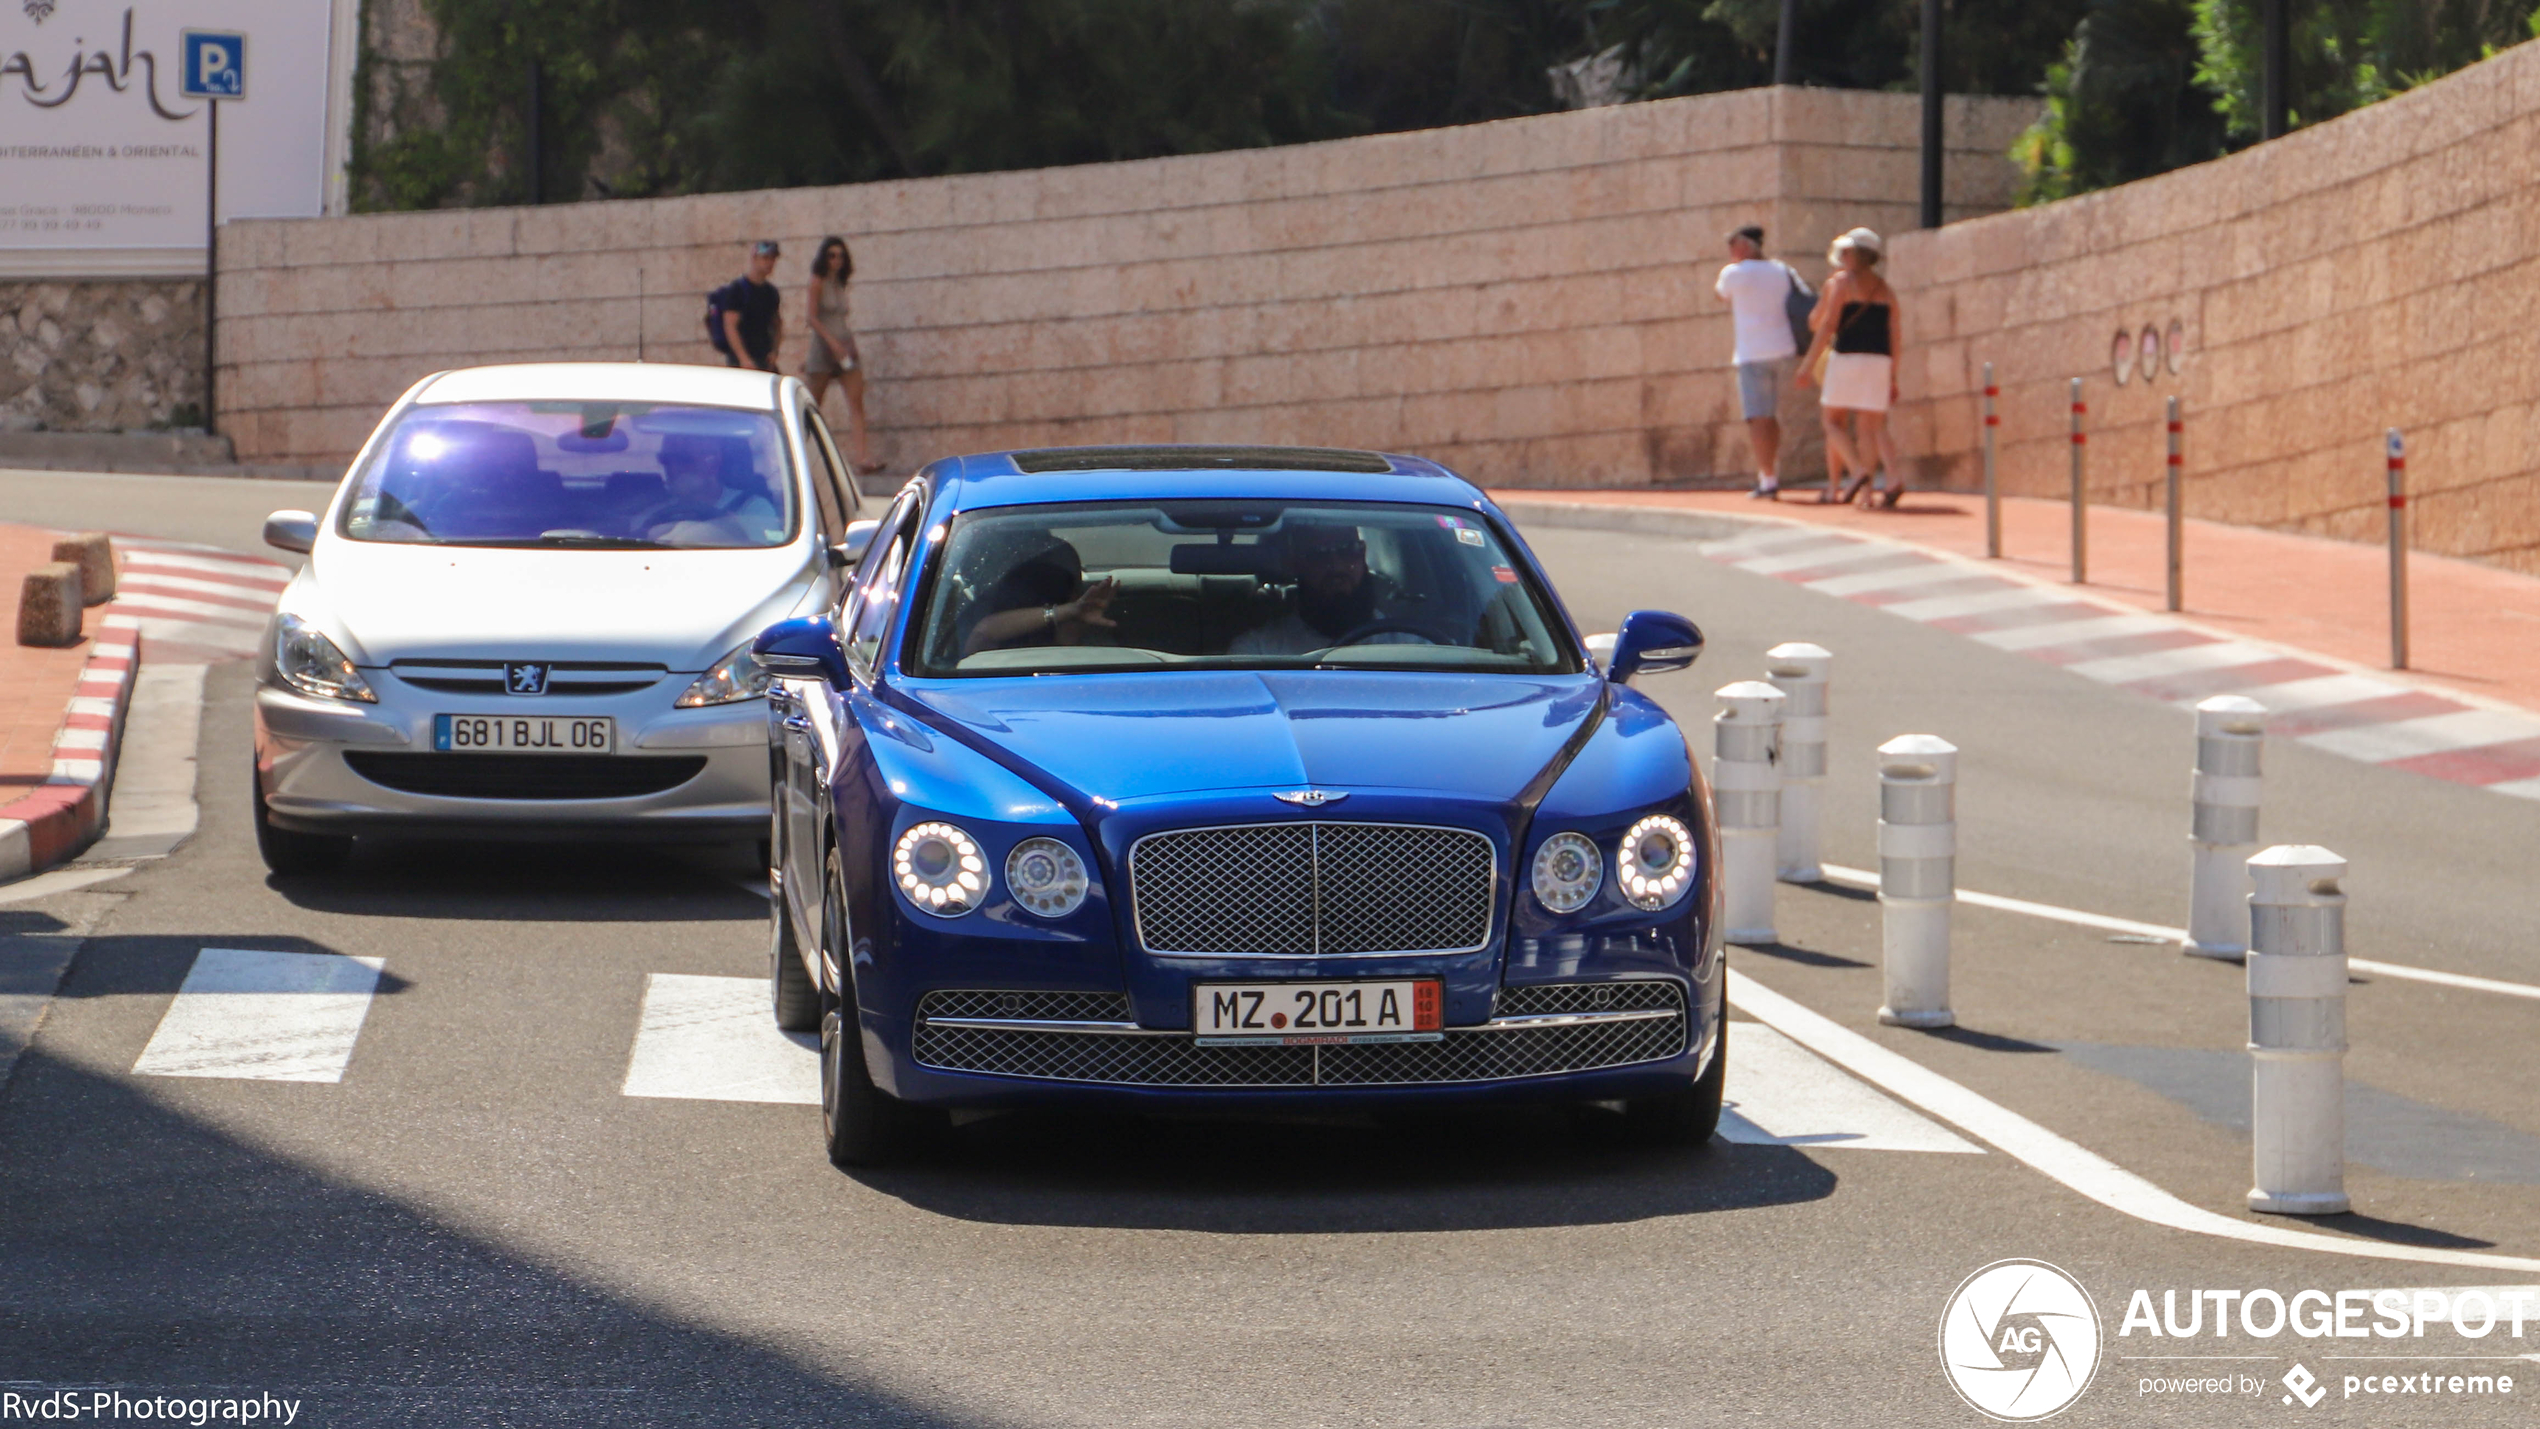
(1797, 304)
(718, 303)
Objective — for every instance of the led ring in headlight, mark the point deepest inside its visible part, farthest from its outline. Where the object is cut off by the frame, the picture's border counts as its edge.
(940, 869)
(1654, 865)
(1046, 877)
(1568, 871)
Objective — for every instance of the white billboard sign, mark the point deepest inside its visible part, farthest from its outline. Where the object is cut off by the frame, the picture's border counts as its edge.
(102, 157)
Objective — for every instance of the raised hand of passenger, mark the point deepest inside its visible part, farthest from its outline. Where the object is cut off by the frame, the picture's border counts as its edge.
(1091, 608)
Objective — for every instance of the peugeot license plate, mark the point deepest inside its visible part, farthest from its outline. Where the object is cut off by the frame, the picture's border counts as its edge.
(523, 734)
(1311, 1014)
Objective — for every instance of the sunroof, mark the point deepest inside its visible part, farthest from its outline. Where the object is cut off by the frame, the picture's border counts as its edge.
(1196, 458)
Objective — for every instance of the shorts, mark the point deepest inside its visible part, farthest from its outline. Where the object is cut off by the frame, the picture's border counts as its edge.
(818, 363)
(1857, 381)
(1759, 387)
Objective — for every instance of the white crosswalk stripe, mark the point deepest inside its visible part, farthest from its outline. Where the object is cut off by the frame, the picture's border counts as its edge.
(2126, 669)
(1848, 553)
(1904, 578)
(714, 1039)
(263, 1016)
(2072, 632)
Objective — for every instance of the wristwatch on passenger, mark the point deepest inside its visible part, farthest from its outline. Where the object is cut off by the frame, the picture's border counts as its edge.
(1049, 613)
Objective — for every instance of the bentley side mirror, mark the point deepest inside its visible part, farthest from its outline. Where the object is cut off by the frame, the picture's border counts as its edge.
(804, 648)
(847, 554)
(1653, 642)
(291, 531)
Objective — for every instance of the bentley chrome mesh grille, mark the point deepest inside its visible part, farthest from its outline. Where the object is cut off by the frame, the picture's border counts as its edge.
(1036, 1006)
(1496, 1052)
(1305, 889)
(1558, 997)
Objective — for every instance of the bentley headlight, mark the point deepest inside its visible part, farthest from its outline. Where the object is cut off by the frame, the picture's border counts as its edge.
(1046, 876)
(314, 665)
(1655, 862)
(737, 676)
(1568, 871)
(940, 869)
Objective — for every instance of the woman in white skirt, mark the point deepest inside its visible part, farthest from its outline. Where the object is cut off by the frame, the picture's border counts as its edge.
(1853, 363)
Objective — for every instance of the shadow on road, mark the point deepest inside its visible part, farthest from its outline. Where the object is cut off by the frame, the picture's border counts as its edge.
(549, 883)
(145, 1250)
(155, 964)
(1499, 1169)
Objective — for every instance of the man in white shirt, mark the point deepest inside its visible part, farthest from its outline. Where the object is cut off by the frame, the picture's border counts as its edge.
(1758, 290)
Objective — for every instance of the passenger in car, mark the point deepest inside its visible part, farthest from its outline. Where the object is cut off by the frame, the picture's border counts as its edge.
(1336, 597)
(1037, 601)
(702, 505)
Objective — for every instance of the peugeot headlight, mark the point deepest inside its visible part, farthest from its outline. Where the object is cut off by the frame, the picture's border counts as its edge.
(737, 676)
(1654, 864)
(1568, 871)
(940, 869)
(314, 665)
(1046, 876)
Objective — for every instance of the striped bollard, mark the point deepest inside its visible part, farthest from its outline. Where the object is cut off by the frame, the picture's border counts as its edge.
(1746, 788)
(2297, 1032)
(1800, 671)
(1918, 867)
(2223, 832)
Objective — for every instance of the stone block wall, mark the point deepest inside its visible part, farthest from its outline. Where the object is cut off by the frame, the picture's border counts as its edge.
(1528, 300)
(100, 355)
(2379, 270)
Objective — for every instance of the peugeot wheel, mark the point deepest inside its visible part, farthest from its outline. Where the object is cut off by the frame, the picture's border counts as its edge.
(1682, 1118)
(289, 853)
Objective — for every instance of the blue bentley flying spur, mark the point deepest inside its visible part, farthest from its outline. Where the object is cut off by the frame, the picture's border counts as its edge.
(1231, 777)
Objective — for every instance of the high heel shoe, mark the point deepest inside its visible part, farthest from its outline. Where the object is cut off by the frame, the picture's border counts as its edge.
(1850, 489)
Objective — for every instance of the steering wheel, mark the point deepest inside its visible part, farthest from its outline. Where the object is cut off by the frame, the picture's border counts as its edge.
(1390, 626)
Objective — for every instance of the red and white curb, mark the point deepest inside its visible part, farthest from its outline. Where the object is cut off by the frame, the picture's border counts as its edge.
(2309, 698)
(212, 602)
(62, 814)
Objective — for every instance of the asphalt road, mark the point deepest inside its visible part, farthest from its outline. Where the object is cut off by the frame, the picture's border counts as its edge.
(476, 1226)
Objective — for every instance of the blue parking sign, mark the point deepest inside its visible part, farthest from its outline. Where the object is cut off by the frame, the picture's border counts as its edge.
(215, 65)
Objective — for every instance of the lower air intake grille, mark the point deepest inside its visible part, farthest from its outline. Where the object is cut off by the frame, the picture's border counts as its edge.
(1465, 1055)
(525, 776)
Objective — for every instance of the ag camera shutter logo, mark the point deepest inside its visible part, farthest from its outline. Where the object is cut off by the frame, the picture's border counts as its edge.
(2019, 1340)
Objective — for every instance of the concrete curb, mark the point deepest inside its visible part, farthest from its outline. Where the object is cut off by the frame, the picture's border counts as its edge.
(62, 816)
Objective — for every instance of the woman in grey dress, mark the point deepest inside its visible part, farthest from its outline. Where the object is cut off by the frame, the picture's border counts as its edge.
(833, 354)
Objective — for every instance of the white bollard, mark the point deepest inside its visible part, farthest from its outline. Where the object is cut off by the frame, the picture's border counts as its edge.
(2297, 1031)
(1918, 875)
(1799, 671)
(2230, 732)
(1746, 789)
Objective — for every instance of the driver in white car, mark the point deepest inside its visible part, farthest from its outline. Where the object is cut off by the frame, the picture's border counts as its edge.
(1335, 596)
(697, 507)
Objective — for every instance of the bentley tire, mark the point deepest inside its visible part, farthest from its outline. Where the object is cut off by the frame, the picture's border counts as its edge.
(797, 996)
(1685, 1118)
(289, 853)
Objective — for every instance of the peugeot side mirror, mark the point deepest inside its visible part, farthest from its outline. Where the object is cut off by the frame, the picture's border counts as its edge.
(803, 648)
(1653, 642)
(847, 554)
(291, 531)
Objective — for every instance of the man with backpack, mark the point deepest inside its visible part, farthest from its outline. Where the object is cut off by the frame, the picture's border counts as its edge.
(745, 318)
(1770, 305)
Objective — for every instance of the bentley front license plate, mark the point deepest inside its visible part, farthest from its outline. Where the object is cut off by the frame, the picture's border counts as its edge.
(523, 734)
(1317, 1014)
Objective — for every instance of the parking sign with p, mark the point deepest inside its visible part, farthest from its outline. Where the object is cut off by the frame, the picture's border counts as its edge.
(215, 65)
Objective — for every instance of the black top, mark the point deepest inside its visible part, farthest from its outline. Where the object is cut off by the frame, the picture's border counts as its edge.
(1863, 328)
(756, 305)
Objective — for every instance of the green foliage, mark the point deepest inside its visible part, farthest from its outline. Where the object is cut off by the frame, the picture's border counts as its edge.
(1697, 46)
(2123, 103)
(2349, 53)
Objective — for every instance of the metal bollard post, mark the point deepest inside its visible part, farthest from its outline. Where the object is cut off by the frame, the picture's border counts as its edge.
(1918, 861)
(2297, 1032)
(2398, 551)
(1992, 488)
(2230, 732)
(1799, 671)
(2178, 519)
(1746, 788)
(2081, 524)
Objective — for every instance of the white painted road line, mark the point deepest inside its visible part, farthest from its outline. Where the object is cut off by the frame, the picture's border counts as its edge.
(2075, 1166)
(263, 1016)
(2434, 734)
(1983, 602)
(250, 570)
(2126, 669)
(714, 1039)
(1849, 553)
(1782, 1094)
(2072, 632)
(1868, 582)
(1863, 878)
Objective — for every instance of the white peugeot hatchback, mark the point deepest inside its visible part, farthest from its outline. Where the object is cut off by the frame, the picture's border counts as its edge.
(528, 610)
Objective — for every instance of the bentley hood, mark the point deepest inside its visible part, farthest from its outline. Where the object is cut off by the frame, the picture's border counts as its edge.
(683, 609)
(1117, 738)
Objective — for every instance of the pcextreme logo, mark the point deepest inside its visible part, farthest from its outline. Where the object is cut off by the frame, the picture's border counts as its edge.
(2019, 1340)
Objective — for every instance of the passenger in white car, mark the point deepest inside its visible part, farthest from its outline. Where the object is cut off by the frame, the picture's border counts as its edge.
(700, 506)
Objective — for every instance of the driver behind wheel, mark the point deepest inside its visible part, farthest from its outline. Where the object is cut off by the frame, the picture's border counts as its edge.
(1336, 596)
(698, 507)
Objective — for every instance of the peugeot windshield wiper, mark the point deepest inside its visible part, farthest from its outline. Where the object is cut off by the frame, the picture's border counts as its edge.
(593, 539)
